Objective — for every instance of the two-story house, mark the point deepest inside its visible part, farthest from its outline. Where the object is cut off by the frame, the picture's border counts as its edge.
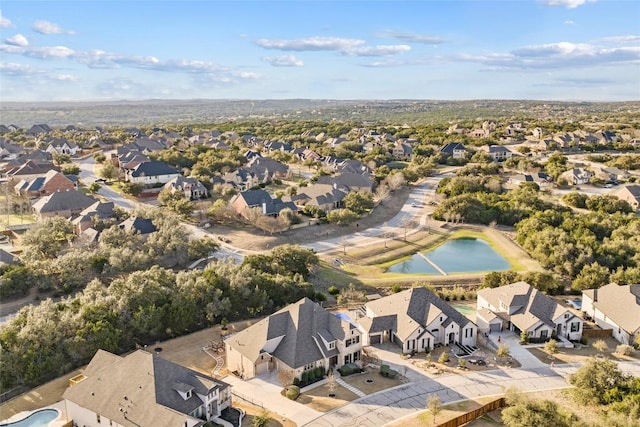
(145, 390)
(415, 320)
(520, 307)
(615, 307)
(297, 338)
(454, 149)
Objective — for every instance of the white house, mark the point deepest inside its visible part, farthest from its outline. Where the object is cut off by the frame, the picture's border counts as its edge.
(520, 307)
(153, 172)
(143, 389)
(415, 319)
(615, 307)
(298, 338)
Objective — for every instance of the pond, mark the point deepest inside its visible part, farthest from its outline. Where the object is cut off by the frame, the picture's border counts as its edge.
(467, 255)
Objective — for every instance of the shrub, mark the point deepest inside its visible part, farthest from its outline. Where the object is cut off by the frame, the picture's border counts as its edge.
(396, 288)
(333, 290)
(348, 369)
(583, 340)
(387, 372)
(319, 372)
(292, 392)
(624, 349)
(444, 358)
(296, 381)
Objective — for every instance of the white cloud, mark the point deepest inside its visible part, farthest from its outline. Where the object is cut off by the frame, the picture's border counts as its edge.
(413, 38)
(621, 39)
(556, 55)
(19, 70)
(46, 27)
(382, 50)
(569, 4)
(5, 22)
(569, 22)
(17, 40)
(283, 61)
(310, 44)
(65, 77)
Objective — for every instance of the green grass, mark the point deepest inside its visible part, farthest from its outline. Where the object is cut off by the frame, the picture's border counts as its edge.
(13, 219)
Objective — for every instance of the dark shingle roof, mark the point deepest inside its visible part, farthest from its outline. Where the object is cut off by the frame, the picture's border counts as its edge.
(63, 201)
(138, 225)
(153, 168)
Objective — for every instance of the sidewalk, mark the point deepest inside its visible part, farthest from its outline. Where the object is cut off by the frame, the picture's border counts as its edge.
(517, 351)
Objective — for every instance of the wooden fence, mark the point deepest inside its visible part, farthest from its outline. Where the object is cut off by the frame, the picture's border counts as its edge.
(476, 413)
(596, 333)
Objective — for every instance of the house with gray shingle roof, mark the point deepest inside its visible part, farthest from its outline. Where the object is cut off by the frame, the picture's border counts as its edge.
(415, 319)
(324, 196)
(245, 201)
(143, 390)
(630, 194)
(615, 307)
(349, 181)
(454, 149)
(521, 307)
(189, 186)
(62, 203)
(152, 172)
(297, 338)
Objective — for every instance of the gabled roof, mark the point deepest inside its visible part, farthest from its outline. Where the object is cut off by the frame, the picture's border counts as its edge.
(633, 189)
(302, 326)
(451, 147)
(153, 168)
(527, 306)
(32, 168)
(319, 194)
(263, 166)
(139, 389)
(498, 149)
(138, 225)
(347, 181)
(183, 183)
(413, 308)
(102, 210)
(6, 257)
(621, 304)
(260, 198)
(63, 201)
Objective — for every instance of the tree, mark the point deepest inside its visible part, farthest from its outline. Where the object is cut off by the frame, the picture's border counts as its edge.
(551, 347)
(108, 171)
(600, 345)
(591, 276)
(342, 216)
(503, 351)
(46, 238)
(261, 420)
(94, 187)
(132, 188)
(71, 170)
(60, 159)
(595, 380)
(358, 202)
(525, 412)
(434, 405)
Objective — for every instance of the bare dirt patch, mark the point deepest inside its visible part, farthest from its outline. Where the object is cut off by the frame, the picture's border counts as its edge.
(425, 419)
(371, 382)
(582, 353)
(252, 411)
(318, 398)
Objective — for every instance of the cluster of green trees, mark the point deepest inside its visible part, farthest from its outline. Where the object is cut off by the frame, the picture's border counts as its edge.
(626, 161)
(542, 281)
(139, 308)
(470, 200)
(606, 203)
(590, 249)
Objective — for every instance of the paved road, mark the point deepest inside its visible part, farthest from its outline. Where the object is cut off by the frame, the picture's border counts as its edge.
(87, 174)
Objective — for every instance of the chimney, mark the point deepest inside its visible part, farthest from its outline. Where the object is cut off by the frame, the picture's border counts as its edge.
(264, 208)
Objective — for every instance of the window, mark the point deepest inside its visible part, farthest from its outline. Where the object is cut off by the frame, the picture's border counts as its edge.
(309, 366)
(98, 418)
(575, 326)
(356, 356)
(189, 394)
(332, 345)
(566, 315)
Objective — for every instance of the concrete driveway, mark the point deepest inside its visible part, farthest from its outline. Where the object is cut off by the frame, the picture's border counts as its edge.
(517, 351)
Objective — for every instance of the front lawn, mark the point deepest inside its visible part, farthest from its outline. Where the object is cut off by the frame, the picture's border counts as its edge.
(378, 382)
(318, 398)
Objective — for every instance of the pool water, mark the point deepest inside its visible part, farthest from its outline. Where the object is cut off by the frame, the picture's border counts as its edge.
(40, 418)
(455, 256)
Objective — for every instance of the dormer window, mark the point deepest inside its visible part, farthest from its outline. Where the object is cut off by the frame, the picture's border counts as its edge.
(189, 394)
(332, 345)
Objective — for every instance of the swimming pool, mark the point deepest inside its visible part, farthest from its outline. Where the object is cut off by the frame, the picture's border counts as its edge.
(40, 418)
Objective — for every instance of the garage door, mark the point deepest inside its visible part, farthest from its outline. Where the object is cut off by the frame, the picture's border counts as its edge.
(494, 327)
(375, 339)
(262, 368)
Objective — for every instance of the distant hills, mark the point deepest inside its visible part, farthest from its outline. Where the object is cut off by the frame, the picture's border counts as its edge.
(201, 111)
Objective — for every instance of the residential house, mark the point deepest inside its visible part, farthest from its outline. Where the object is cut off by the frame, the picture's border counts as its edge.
(29, 170)
(7, 258)
(51, 182)
(607, 173)
(243, 202)
(499, 153)
(267, 169)
(457, 129)
(143, 390)
(278, 146)
(36, 130)
(351, 166)
(402, 150)
(480, 133)
(62, 203)
(542, 179)
(138, 225)
(152, 172)
(630, 194)
(99, 211)
(537, 133)
(415, 319)
(454, 149)
(327, 197)
(520, 307)
(349, 181)
(615, 307)
(190, 187)
(297, 338)
(61, 146)
(241, 179)
(9, 150)
(4, 129)
(577, 176)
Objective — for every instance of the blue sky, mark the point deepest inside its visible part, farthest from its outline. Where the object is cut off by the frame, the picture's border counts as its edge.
(517, 49)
